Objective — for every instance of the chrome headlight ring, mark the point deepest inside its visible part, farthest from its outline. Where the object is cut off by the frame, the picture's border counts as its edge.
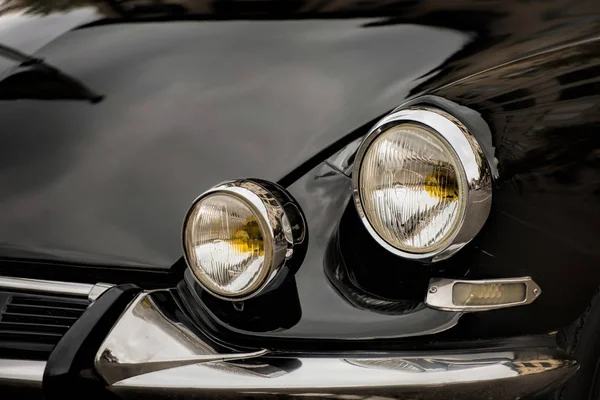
(283, 229)
(475, 173)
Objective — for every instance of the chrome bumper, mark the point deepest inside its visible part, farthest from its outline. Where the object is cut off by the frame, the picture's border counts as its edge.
(503, 375)
(490, 375)
(150, 353)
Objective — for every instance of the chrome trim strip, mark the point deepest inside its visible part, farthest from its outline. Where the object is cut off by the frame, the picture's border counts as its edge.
(97, 290)
(50, 287)
(491, 375)
(439, 293)
(92, 292)
(21, 371)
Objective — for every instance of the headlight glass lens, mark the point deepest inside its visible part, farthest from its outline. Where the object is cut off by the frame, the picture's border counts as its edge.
(412, 188)
(226, 245)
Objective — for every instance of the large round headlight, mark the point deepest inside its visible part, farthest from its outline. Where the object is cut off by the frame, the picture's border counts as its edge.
(238, 236)
(421, 184)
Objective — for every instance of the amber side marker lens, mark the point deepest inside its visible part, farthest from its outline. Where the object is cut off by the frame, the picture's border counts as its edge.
(468, 294)
(462, 295)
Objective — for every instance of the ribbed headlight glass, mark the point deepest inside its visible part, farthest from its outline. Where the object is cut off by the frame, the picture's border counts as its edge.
(412, 188)
(226, 245)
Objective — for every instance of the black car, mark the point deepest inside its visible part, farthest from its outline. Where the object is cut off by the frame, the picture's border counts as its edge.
(300, 199)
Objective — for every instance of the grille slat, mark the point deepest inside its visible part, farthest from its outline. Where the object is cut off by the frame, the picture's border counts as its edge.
(43, 310)
(29, 327)
(38, 319)
(19, 334)
(29, 337)
(33, 301)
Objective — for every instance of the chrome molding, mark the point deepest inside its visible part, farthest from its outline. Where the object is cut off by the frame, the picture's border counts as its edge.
(97, 290)
(145, 339)
(281, 221)
(92, 292)
(439, 293)
(476, 170)
(25, 372)
(489, 375)
(150, 352)
(48, 287)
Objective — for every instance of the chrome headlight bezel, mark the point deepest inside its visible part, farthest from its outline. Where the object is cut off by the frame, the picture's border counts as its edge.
(283, 227)
(475, 172)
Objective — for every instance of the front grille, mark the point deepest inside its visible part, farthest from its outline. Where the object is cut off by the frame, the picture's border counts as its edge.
(36, 322)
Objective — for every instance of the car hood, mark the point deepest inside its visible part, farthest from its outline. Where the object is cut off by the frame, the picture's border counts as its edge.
(121, 121)
(181, 106)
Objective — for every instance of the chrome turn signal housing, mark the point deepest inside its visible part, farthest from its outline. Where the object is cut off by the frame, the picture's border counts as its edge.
(422, 185)
(240, 237)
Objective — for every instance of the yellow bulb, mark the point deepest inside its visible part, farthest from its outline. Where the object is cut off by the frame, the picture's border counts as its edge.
(442, 184)
(249, 238)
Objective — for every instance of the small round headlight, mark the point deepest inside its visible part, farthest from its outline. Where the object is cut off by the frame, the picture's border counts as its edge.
(238, 236)
(421, 184)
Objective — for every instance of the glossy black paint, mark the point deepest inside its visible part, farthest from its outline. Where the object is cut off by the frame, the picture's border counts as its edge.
(182, 112)
(544, 112)
(271, 92)
(43, 82)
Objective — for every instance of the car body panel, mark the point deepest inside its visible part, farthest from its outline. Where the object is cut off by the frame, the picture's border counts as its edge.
(187, 101)
(110, 182)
